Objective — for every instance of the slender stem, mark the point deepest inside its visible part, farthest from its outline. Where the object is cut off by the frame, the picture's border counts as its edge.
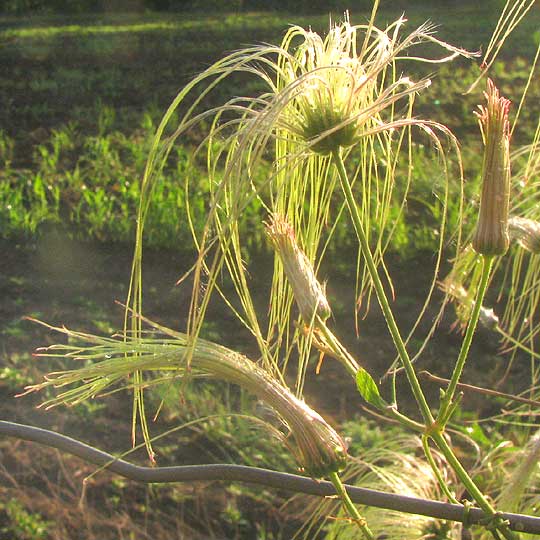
(339, 351)
(435, 434)
(350, 364)
(446, 401)
(442, 483)
(446, 409)
(481, 390)
(379, 289)
(351, 508)
(516, 343)
(471, 487)
(405, 420)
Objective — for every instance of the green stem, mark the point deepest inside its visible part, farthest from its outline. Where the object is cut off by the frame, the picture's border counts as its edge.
(448, 397)
(351, 508)
(435, 434)
(350, 364)
(379, 289)
(470, 486)
(341, 354)
(392, 412)
(517, 343)
(442, 483)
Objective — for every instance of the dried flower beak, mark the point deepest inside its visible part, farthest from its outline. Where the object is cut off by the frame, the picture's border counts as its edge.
(308, 292)
(526, 232)
(109, 361)
(491, 235)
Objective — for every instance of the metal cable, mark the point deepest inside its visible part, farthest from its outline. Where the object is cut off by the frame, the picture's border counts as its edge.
(255, 475)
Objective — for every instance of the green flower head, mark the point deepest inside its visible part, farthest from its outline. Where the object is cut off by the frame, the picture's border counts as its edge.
(335, 89)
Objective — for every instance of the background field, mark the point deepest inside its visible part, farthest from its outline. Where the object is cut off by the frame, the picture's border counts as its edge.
(80, 98)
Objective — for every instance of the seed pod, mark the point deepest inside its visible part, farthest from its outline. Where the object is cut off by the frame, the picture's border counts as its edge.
(526, 232)
(316, 445)
(308, 292)
(491, 235)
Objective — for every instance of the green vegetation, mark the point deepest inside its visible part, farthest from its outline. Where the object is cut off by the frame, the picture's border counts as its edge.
(23, 524)
(82, 97)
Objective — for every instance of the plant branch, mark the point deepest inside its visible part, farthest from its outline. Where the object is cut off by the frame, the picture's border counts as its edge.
(351, 509)
(497, 520)
(446, 402)
(379, 289)
(480, 390)
(433, 429)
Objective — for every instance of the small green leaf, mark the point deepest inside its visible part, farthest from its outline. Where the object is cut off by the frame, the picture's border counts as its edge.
(369, 390)
(477, 434)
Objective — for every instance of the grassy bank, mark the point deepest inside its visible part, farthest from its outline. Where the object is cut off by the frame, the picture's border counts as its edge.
(81, 100)
(82, 96)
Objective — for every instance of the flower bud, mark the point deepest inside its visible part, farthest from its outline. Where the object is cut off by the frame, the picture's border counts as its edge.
(308, 292)
(526, 232)
(491, 235)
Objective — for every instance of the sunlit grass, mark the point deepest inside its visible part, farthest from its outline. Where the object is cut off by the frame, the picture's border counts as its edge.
(171, 23)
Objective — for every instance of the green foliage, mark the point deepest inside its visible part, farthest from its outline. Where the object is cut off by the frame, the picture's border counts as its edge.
(77, 160)
(90, 184)
(23, 525)
(369, 390)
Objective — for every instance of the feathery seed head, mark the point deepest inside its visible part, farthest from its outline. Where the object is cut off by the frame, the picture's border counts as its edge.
(491, 235)
(526, 232)
(317, 447)
(337, 92)
(308, 292)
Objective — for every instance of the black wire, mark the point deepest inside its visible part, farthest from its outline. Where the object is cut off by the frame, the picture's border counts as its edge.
(255, 475)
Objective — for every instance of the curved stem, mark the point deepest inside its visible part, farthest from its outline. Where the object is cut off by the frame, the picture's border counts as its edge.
(349, 505)
(351, 365)
(339, 351)
(435, 434)
(436, 471)
(518, 344)
(379, 289)
(446, 402)
(480, 390)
